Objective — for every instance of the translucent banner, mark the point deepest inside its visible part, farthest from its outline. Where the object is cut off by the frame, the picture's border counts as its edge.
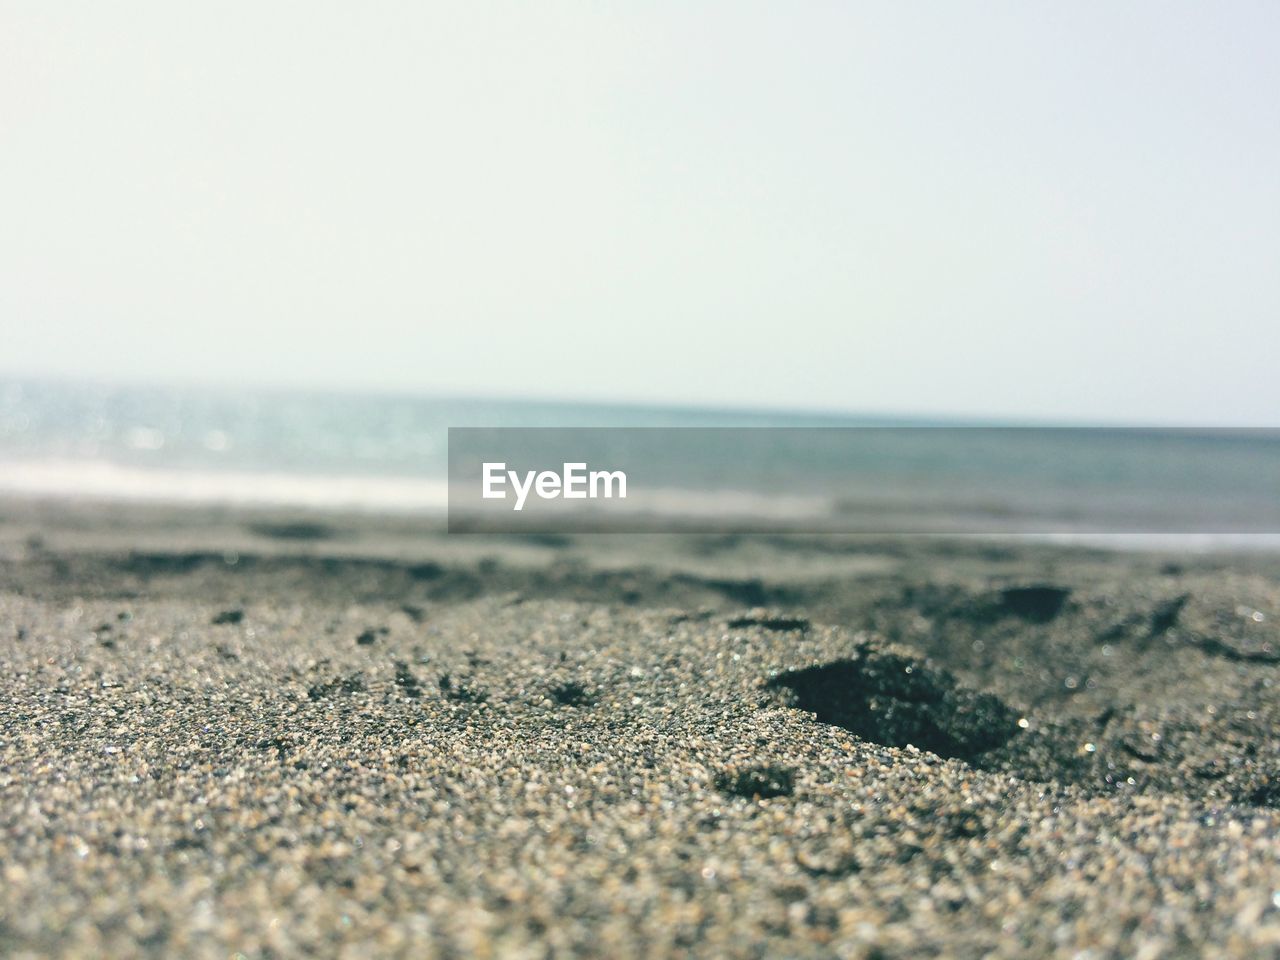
(885, 480)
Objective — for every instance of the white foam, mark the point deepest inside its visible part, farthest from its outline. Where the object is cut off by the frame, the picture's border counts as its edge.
(101, 480)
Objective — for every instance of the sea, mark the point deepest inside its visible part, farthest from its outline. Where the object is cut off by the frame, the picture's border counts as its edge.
(389, 453)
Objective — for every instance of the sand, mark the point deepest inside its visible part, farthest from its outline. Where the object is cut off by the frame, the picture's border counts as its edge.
(264, 735)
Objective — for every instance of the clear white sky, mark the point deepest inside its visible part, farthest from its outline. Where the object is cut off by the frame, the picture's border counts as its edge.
(1027, 209)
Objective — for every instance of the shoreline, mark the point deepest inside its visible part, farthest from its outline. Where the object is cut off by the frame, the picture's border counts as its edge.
(324, 509)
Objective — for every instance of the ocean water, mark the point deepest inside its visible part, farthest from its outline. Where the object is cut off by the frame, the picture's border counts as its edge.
(390, 453)
(374, 452)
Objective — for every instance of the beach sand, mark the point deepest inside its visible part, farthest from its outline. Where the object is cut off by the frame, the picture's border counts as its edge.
(277, 735)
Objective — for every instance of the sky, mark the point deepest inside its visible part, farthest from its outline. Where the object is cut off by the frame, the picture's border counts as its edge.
(1024, 209)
